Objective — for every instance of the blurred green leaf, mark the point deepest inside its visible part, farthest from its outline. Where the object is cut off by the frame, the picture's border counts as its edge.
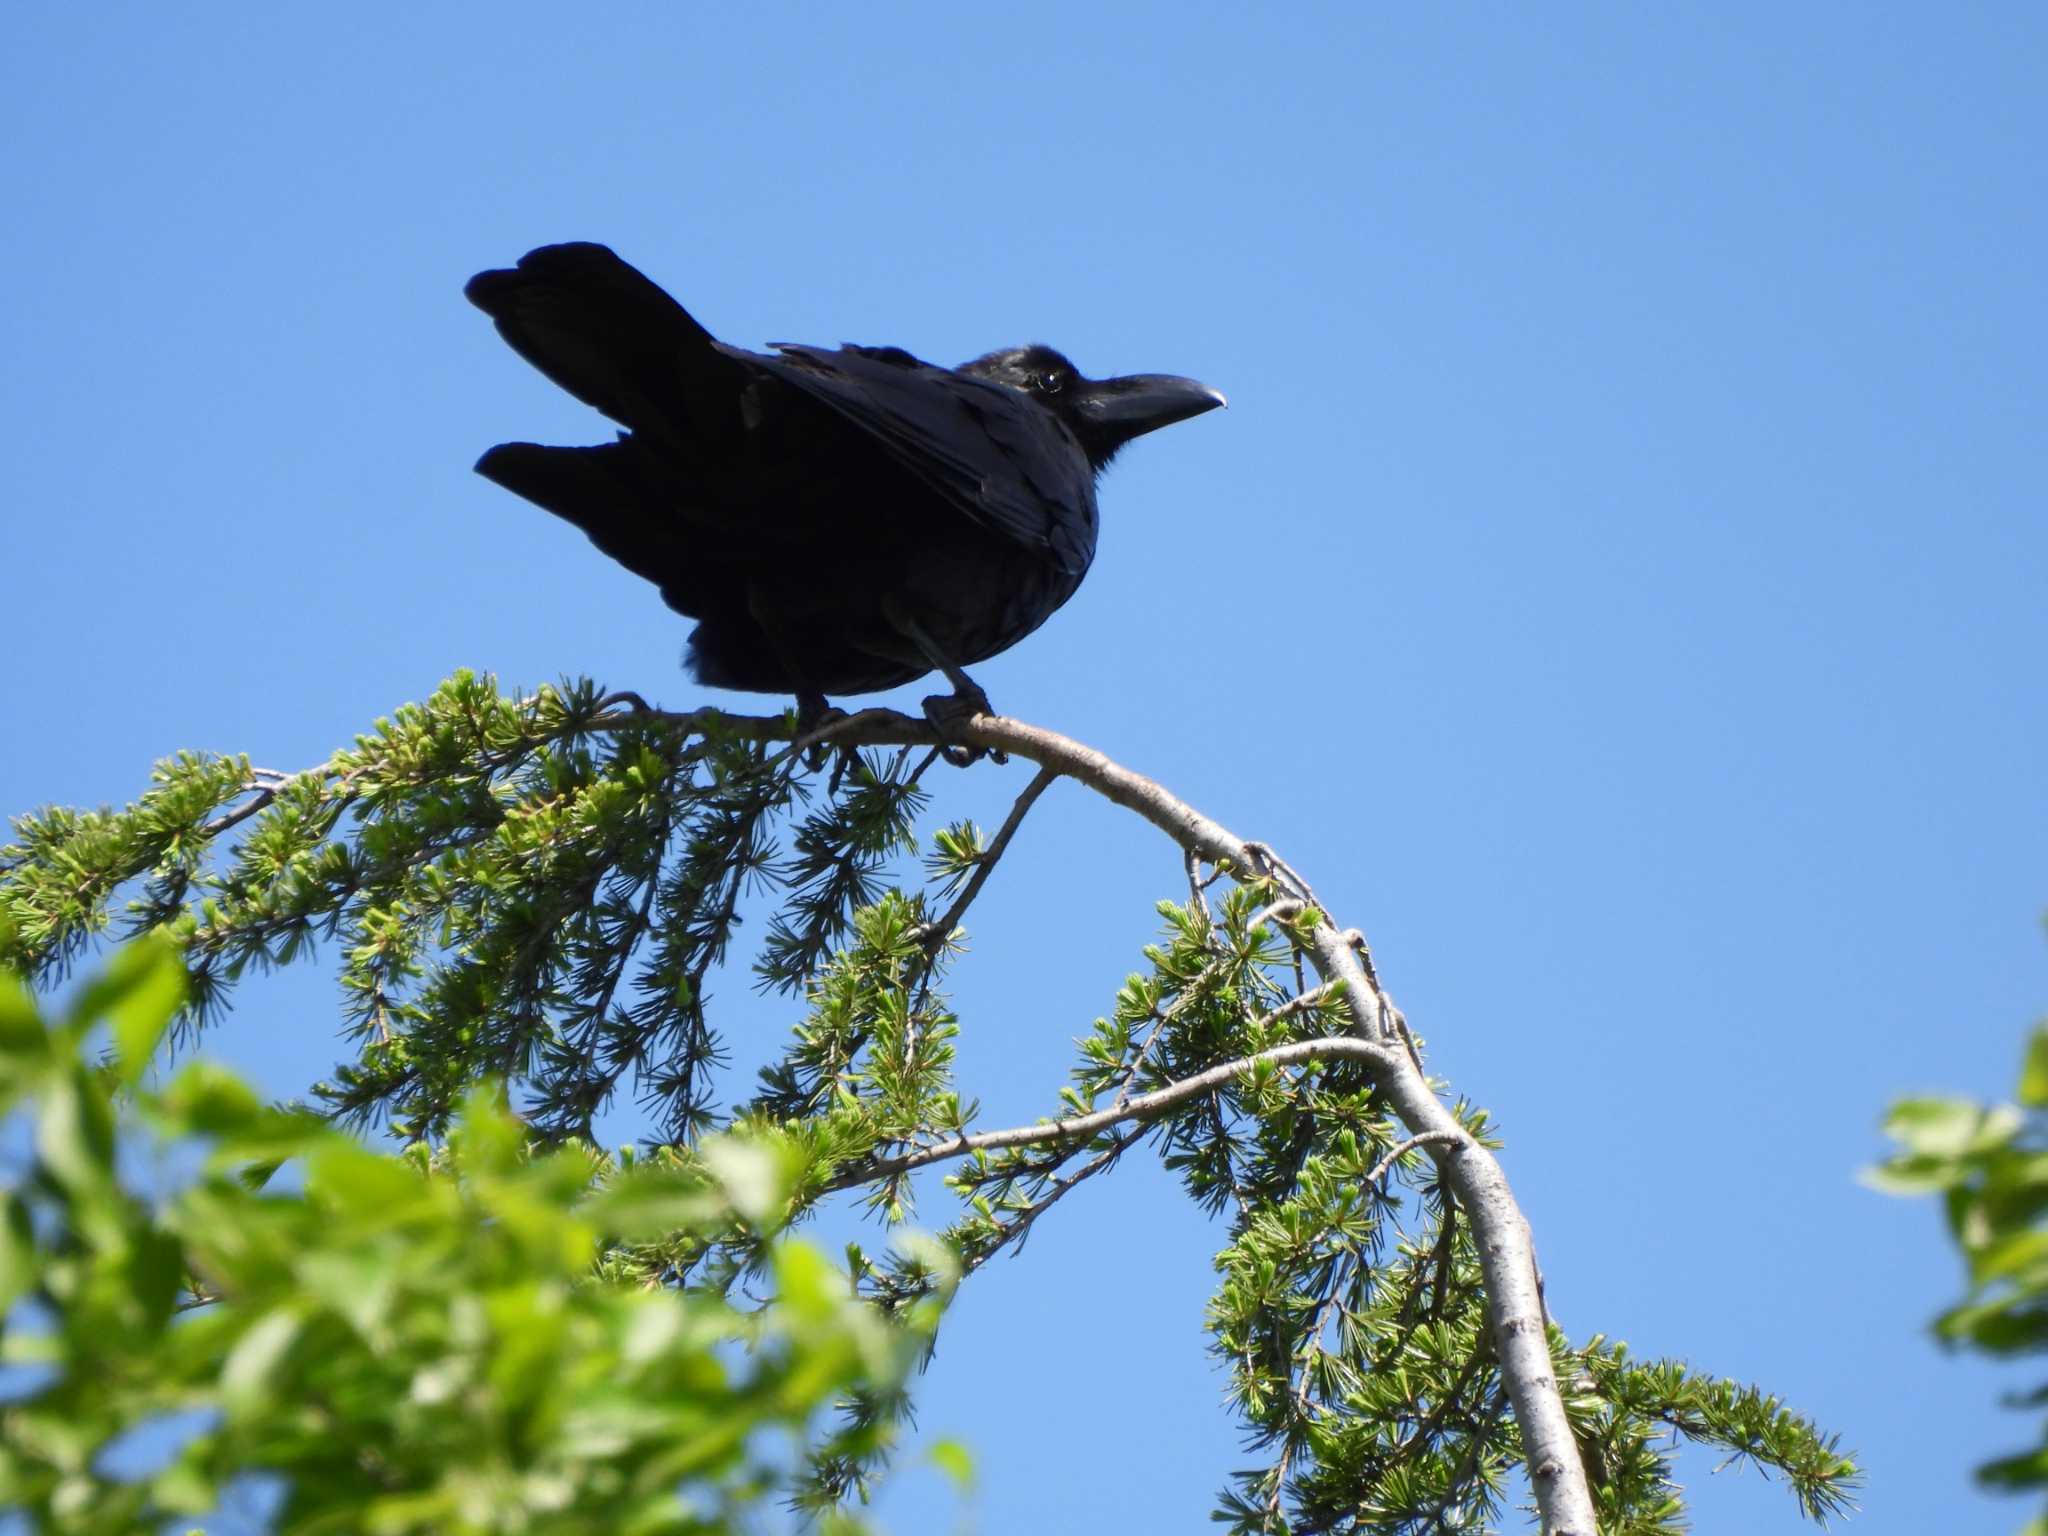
(249, 1375)
(1989, 1163)
(2034, 1075)
(440, 1316)
(207, 1099)
(21, 1031)
(956, 1461)
(139, 994)
(1949, 1127)
(75, 1133)
(19, 1262)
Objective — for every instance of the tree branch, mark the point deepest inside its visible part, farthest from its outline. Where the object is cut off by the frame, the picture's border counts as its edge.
(1145, 1106)
(1514, 1300)
(984, 866)
(1513, 1295)
(1020, 1228)
(1385, 1165)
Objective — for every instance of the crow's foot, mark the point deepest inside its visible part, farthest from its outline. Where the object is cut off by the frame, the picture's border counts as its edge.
(813, 714)
(949, 714)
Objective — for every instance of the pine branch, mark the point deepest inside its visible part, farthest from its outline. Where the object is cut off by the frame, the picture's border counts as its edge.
(498, 869)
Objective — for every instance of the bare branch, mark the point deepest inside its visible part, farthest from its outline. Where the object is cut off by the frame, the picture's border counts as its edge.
(1385, 1165)
(1197, 885)
(1514, 1299)
(1301, 1001)
(1020, 1228)
(1277, 912)
(1188, 993)
(940, 931)
(1145, 1106)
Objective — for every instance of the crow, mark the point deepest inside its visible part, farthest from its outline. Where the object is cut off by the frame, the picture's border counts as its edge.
(837, 521)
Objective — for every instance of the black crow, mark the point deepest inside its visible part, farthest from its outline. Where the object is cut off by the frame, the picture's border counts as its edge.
(836, 521)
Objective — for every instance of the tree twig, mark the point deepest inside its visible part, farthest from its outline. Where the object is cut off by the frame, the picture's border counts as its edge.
(984, 865)
(1145, 1106)
(1385, 1165)
(1020, 1229)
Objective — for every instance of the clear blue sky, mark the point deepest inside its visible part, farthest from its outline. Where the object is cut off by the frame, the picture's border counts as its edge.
(1620, 581)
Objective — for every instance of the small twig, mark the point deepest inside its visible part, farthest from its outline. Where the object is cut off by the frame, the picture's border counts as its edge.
(261, 797)
(1187, 993)
(1475, 1443)
(1197, 885)
(629, 941)
(1144, 1107)
(1019, 1229)
(1394, 1155)
(1295, 1004)
(1400, 1024)
(1298, 1003)
(1279, 1481)
(1272, 864)
(1446, 1250)
(1274, 912)
(937, 933)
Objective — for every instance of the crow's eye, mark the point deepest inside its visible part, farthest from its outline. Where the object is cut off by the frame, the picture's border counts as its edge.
(1052, 383)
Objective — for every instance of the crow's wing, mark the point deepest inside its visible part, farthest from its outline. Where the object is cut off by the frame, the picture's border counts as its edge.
(1002, 459)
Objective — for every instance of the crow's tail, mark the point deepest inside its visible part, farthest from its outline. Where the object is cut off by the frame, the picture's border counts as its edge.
(609, 336)
(618, 496)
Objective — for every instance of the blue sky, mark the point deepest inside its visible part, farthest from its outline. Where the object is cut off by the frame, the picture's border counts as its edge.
(1620, 581)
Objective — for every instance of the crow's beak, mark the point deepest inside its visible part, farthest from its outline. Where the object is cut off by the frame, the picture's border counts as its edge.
(1144, 402)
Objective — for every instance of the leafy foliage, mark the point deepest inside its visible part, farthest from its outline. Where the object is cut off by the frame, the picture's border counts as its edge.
(1989, 1163)
(453, 1340)
(545, 890)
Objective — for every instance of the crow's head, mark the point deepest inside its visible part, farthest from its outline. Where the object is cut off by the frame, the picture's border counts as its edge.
(1103, 413)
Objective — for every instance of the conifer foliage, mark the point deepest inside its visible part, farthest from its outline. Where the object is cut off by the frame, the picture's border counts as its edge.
(531, 897)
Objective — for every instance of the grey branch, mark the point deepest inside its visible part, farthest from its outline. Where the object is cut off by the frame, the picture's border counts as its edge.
(1514, 1301)
(1385, 1165)
(1144, 1106)
(939, 932)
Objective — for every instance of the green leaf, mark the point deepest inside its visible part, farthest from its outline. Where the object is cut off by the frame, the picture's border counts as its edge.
(207, 1099)
(755, 1177)
(1950, 1127)
(248, 1376)
(359, 1183)
(75, 1133)
(2013, 1254)
(1914, 1175)
(805, 1283)
(139, 994)
(18, 1260)
(2034, 1075)
(185, 1487)
(956, 1461)
(1997, 1328)
(21, 1027)
(2013, 1473)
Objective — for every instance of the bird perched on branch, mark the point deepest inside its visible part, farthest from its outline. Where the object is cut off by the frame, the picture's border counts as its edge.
(836, 521)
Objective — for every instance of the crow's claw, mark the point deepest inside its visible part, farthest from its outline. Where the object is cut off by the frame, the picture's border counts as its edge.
(813, 714)
(949, 714)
